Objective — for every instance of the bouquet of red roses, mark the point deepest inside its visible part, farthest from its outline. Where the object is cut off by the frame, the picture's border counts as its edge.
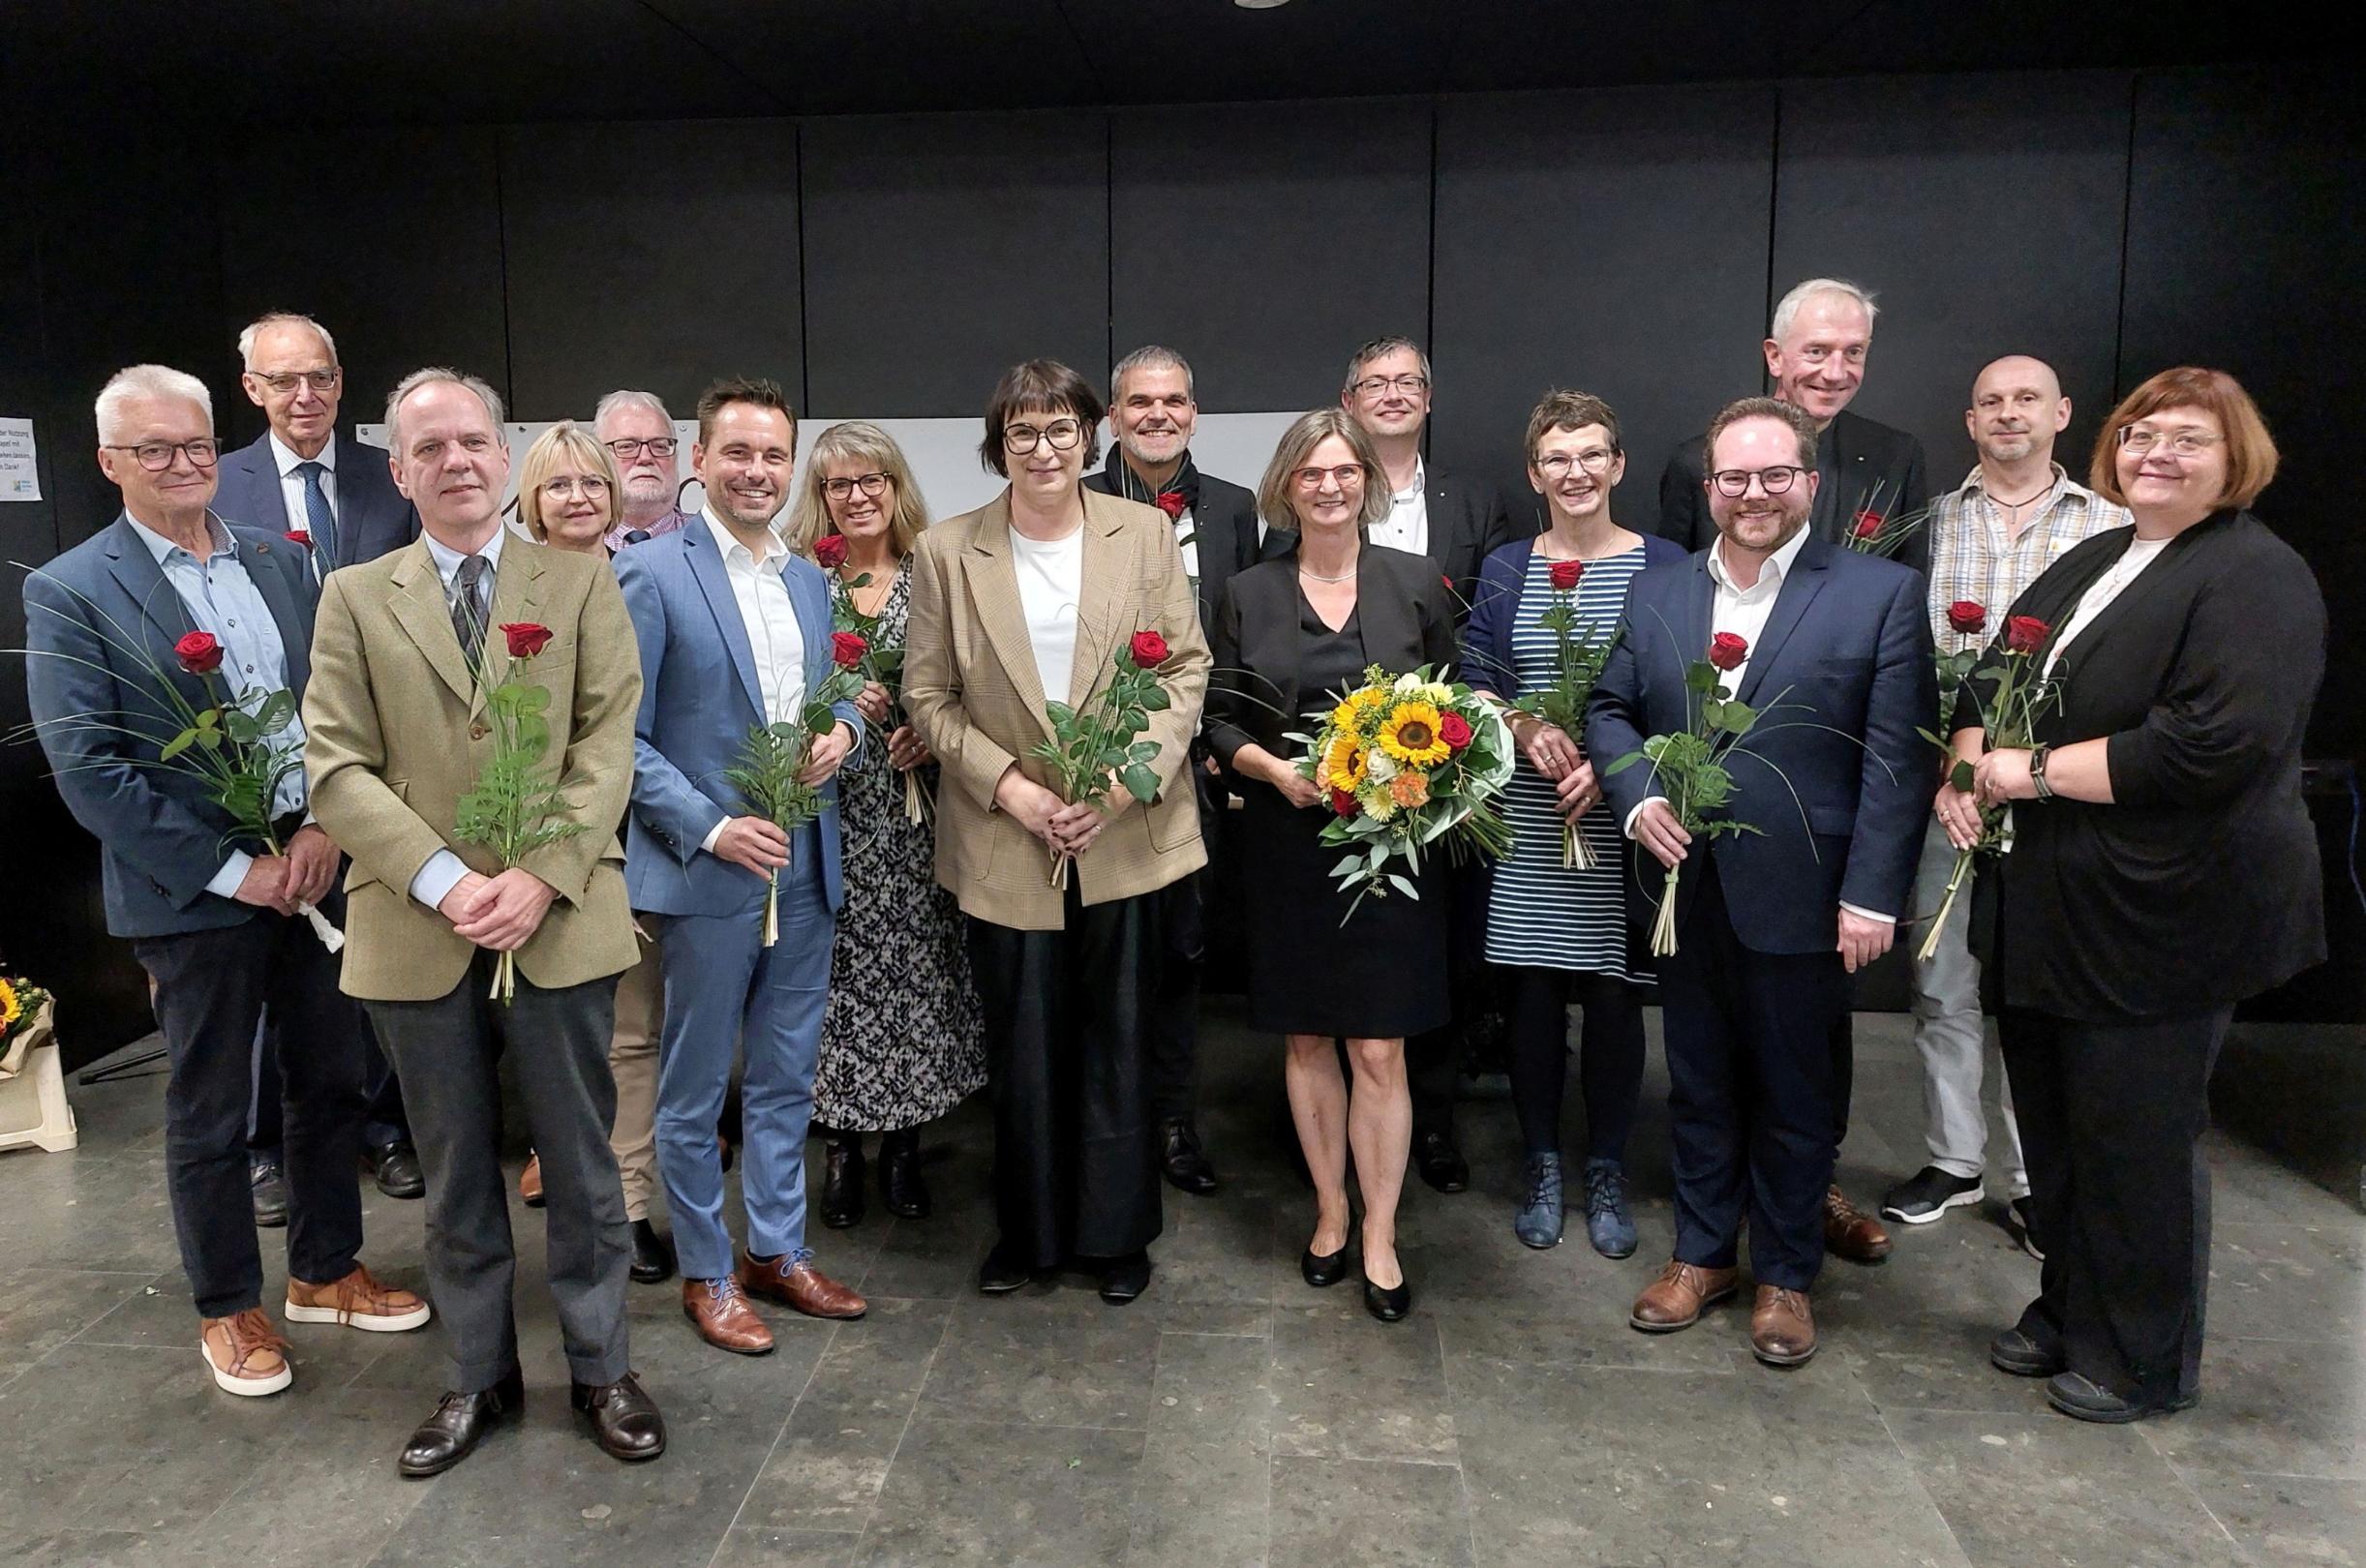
(1101, 746)
(1578, 661)
(774, 755)
(2018, 698)
(882, 660)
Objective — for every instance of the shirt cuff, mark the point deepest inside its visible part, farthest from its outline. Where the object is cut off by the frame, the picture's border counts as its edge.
(233, 873)
(1868, 914)
(713, 834)
(1628, 827)
(438, 878)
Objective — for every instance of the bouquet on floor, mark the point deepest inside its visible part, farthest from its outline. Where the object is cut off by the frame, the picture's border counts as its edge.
(882, 661)
(773, 756)
(1407, 761)
(2017, 697)
(1100, 746)
(1879, 528)
(1577, 664)
(24, 1022)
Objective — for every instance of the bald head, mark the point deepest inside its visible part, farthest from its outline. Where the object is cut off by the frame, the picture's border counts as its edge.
(2018, 410)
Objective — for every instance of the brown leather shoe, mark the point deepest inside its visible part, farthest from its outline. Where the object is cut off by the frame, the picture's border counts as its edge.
(1783, 1326)
(1850, 1232)
(720, 1313)
(1674, 1301)
(530, 1182)
(792, 1280)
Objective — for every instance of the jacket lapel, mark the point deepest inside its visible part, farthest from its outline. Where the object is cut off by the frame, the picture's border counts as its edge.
(993, 585)
(1101, 580)
(296, 626)
(1799, 587)
(706, 558)
(809, 597)
(263, 475)
(137, 573)
(422, 610)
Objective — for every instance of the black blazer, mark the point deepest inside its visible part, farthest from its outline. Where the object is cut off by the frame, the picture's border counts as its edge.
(373, 519)
(1253, 694)
(1868, 455)
(1224, 527)
(1468, 521)
(2199, 885)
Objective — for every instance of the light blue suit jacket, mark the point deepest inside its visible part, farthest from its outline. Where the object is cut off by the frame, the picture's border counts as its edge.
(699, 698)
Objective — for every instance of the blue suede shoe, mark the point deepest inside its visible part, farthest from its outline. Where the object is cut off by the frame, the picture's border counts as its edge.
(1537, 1219)
(1608, 1224)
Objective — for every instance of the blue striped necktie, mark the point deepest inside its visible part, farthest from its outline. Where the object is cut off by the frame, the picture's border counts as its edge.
(319, 519)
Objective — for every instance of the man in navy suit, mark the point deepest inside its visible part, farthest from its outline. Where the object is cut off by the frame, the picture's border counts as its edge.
(1837, 659)
(213, 922)
(733, 632)
(299, 479)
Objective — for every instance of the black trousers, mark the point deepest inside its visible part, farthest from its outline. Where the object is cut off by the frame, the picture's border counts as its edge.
(1067, 1048)
(382, 1121)
(211, 990)
(1609, 1056)
(1174, 1020)
(2111, 1119)
(1750, 1092)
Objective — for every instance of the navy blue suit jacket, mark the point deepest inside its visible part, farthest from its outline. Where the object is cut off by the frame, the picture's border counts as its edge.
(96, 618)
(1847, 649)
(373, 519)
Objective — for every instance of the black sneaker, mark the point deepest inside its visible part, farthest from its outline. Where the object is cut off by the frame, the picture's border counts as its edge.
(1931, 1193)
(270, 1186)
(2021, 1223)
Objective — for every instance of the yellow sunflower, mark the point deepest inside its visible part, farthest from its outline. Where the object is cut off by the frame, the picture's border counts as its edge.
(1349, 714)
(1410, 735)
(10, 1009)
(1342, 765)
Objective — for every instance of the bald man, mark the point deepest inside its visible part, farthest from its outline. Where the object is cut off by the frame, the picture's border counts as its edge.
(2014, 516)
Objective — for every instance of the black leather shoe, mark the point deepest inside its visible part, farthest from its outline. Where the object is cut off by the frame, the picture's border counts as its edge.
(624, 1420)
(653, 1254)
(1125, 1277)
(999, 1275)
(2021, 1354)
(461, 1420)
(1323, 1272)
(1183, 1162)
(1441, 1163)
(270, 1186)
(901, 1187)
(841, 1204)
(1389, 1305)
(2075, 1396)
(399, 1175)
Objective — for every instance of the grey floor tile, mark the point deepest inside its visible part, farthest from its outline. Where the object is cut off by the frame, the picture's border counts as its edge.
(1213, 1389)
(41, 1308)
(2288, 1522)
(1062, 1358)
(1376, 1514)
(976, 1492)
(827, 1469)
(2290, 1281)
(88, 1548)
(2282, 1408)
(1200, 1503)
(336, 1464)
(1346, 1386)
(754, 1546)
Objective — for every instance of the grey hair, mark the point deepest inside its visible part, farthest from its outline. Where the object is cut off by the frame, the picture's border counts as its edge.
(626, 397)
(271, 318)
(135, 381)
(418, 379)
(1150, 356)
(1786, 309)
(1377, 348)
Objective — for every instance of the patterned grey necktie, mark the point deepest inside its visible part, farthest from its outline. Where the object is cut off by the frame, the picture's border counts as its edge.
(469, 607)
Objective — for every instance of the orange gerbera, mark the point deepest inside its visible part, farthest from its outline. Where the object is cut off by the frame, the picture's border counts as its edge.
(1410, 789)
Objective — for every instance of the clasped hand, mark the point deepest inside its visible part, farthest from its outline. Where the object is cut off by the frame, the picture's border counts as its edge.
(282, 883)
(500, 914)
(2000, 777)
(1066, 829)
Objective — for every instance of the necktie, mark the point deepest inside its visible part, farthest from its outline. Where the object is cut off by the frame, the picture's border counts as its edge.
(318, 520)
(469, 607)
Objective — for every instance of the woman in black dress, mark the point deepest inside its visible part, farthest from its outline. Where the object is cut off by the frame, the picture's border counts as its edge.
(1292, 635)
(2163, 869)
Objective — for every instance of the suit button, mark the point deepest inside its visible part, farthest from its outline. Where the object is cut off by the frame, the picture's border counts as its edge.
(478, 732)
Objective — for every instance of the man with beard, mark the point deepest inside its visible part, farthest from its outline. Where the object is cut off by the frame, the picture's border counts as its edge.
(639, 433)
(1769, 923)
(1153, 413)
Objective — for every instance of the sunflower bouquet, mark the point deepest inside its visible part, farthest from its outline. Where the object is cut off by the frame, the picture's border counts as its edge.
(1404, 761)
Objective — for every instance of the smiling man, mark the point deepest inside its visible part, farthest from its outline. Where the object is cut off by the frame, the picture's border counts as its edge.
(639, 433)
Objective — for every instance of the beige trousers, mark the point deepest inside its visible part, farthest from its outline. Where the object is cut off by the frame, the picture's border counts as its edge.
(632, 1057)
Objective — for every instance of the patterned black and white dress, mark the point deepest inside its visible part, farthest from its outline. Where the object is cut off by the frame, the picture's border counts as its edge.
(902, 1041)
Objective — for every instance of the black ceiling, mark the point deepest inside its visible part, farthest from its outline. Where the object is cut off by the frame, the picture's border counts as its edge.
(303, 62)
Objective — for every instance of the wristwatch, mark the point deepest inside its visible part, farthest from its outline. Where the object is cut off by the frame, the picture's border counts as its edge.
(2037, 771)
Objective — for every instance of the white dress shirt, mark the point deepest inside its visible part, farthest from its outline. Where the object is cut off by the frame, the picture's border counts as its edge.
(1051, 576)
(292, 489)
(774, 639)
(1407, 526)
(433, 882)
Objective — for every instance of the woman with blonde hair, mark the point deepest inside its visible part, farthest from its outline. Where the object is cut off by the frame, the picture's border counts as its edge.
(568, 493)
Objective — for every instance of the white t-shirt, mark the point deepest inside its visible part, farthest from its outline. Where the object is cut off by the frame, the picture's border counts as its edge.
(2097, 597)
(1051, 576)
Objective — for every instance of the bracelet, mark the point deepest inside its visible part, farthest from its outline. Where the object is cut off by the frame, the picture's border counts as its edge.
(2037, 771)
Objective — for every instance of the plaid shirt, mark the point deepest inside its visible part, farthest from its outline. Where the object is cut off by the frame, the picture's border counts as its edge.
(1973, 558)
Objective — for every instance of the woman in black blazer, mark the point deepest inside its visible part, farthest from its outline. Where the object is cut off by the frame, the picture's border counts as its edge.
(1291, 635)
(2163, 869)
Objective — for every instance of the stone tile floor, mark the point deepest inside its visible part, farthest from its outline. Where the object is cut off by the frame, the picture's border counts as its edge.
(1230, 1417)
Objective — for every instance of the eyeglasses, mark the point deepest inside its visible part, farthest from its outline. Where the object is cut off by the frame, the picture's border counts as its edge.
(628, 448)
(156, 456)
(2184, 444)
(1737, 481)
(1063, 433)
(1373, 386)
(870, 484)
(287, 381)
(1557, 465)
(590, 486)
(1347, 476)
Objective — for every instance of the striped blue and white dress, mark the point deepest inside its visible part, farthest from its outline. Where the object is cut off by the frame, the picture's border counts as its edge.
(1540, 913)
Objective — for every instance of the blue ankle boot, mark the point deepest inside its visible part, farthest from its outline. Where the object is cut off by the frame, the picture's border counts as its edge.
(1608, 1224)
(1537, 1219)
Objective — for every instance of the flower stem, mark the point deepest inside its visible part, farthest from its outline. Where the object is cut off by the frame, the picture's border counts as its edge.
(1931, 943)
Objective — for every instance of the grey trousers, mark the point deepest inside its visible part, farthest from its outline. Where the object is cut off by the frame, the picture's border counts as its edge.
(447, 1053)
(1951, 1034)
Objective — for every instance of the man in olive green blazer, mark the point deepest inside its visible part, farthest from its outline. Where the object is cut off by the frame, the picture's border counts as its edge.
(397, 730)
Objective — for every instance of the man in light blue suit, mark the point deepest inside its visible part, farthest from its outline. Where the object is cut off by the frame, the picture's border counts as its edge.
(735, 632)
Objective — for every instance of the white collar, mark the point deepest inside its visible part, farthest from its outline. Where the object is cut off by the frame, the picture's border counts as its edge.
(447, 559)
(1777, 565)
(1421, 476)
(286, 456)
(728, 542)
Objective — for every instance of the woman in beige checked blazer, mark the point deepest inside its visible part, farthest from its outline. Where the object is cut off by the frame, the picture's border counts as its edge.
(1036, 593)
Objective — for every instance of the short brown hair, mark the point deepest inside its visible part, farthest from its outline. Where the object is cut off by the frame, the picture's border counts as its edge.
(1774, 408)
(1563, 410)
(1382, 348)
(1040, 386)
(1310, 431)
(2251, 452)
(561, 441)
(760, 390)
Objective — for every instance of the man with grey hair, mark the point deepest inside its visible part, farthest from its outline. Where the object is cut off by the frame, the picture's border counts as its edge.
(639, 433)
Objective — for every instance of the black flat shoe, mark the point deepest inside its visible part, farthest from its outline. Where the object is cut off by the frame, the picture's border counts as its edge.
(624, 1419)
(999, 1276)
(460, 1422)
(653, 1254)
(269, 1183)
(2019, 1354)
(901, 1187)
(1441, 1164)
(1182, 1160)
(1123, 1279)
(2075, 1396)
(1389, 1305)
(398, 1172)
(841, 1204)
(1320, 1270)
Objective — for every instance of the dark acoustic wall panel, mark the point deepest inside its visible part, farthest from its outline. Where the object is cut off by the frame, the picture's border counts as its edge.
(1264, 242)
(1985, 213)
(649, 256)
(2246, 219)
(1612, 241)
(941, 250)
(390, 238)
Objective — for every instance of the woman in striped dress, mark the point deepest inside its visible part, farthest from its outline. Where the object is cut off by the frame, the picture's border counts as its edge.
(1560, 933)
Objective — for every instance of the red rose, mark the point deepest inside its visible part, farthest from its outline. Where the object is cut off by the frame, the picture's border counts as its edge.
(1968, 616)
(1454, 730)
(829, 550)
(1172, 503)
(300, 536)
(1565, 575)
(526, 638)
(1343, 804)
(847, 649)
(1869, 525)
(1727, 652)
(198, 653)
(2025, 634)
(1148, 649)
